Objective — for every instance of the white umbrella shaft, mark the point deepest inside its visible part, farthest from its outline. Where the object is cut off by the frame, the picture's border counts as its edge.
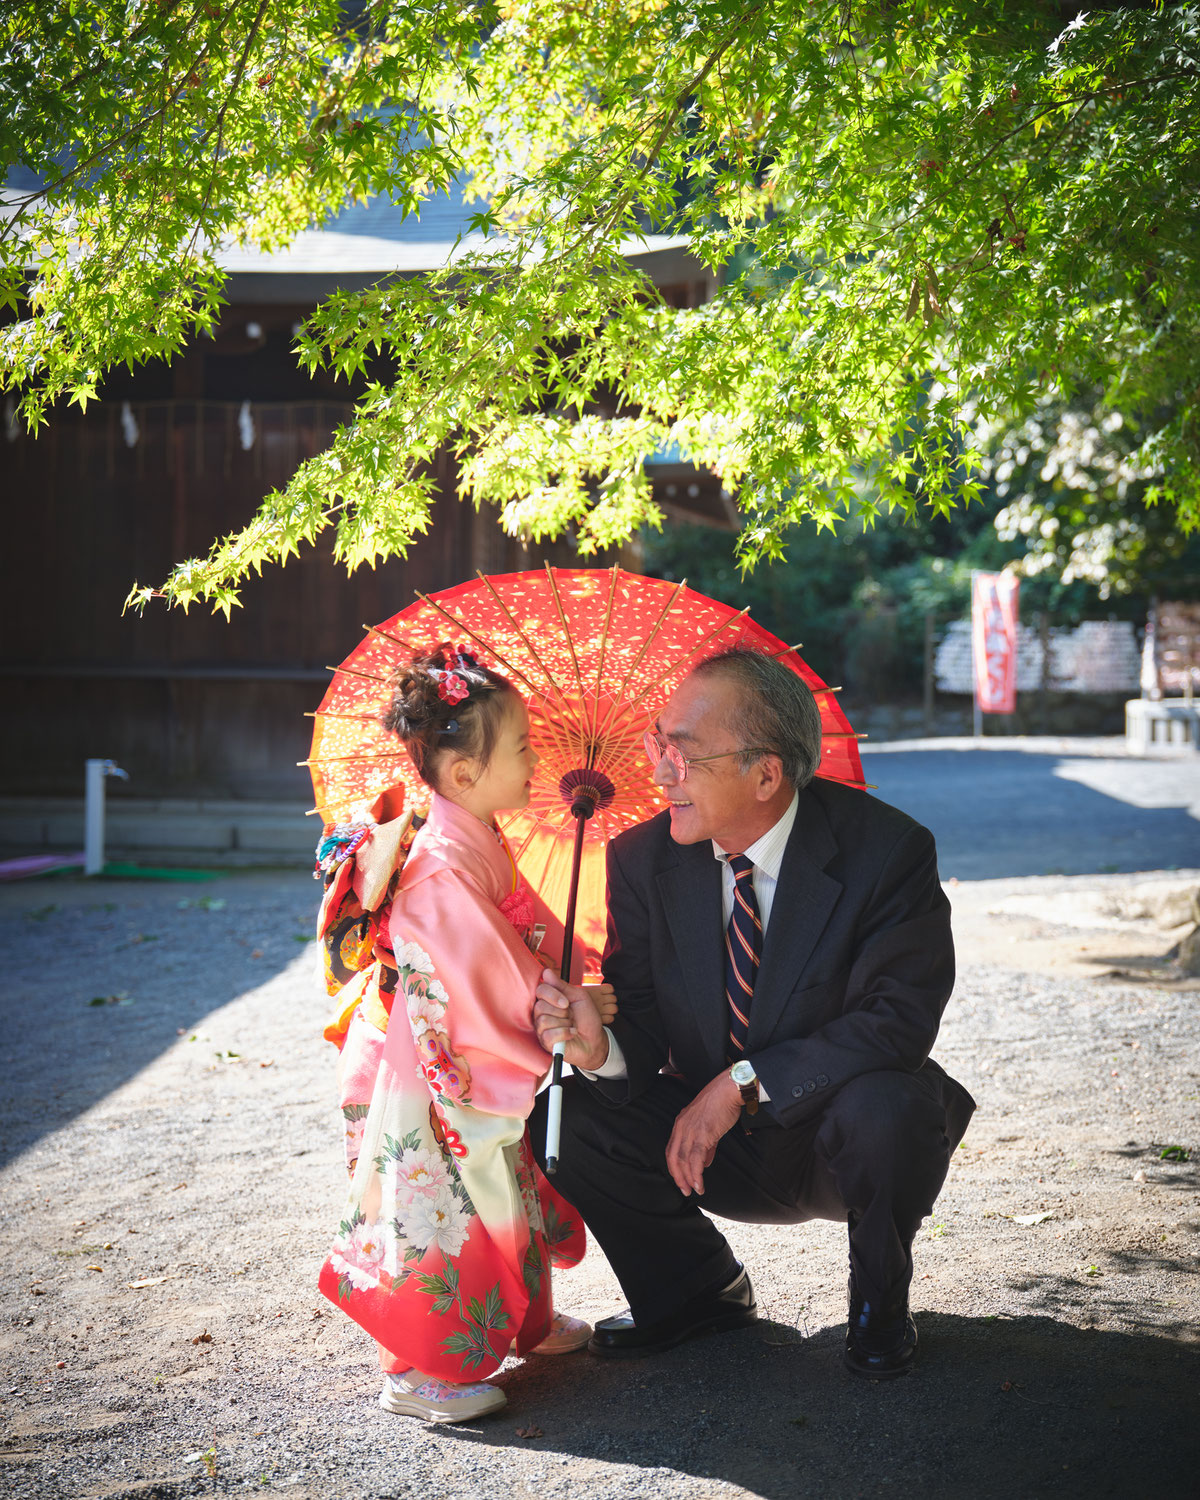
(554, 1110)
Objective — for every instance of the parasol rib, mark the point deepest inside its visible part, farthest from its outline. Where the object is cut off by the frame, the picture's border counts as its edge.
(608, 611)
(619, 696)
(668, 672)
(479, 641)
(395, 639)
(328, 760)
(525, 843)
(549, 723)
(555, 728)
(331, 713)
(355, 672)
(562, 620)
(525, 641)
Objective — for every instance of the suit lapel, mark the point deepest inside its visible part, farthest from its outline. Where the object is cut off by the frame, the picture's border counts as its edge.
(805, 897)
(691, 897)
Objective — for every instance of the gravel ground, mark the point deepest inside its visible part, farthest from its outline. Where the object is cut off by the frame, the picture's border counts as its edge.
(171, 1172)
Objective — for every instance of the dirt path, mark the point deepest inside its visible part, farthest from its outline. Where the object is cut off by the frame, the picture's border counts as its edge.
(171, 1172)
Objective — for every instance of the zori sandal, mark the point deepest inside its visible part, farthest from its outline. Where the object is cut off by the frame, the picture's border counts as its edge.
(413, 1394)
(565, 1336)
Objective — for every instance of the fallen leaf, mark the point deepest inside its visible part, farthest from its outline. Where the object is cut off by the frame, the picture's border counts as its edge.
(1030, 1218)
(203, 1338)
(270, 1063)
(529, 1432)
(149, 1281)
(37, 1291)
(93, 1268)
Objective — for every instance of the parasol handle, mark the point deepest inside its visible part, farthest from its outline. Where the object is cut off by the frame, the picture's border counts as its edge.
(582, 809)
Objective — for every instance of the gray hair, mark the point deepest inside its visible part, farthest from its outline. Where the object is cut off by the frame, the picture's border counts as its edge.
(778, 715)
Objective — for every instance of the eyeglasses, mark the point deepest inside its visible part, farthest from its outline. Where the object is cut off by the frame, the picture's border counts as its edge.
(656, 747)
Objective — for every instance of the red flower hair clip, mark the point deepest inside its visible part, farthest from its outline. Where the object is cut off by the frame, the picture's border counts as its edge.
(458, 657)
(452, 688)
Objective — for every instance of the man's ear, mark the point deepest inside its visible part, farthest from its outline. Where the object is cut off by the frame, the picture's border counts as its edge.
(768, 770)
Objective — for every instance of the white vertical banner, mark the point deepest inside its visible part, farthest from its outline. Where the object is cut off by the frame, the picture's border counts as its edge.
(994, 641)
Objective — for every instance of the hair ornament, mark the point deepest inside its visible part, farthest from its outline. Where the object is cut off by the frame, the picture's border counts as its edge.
(450, 727)
(452, 688)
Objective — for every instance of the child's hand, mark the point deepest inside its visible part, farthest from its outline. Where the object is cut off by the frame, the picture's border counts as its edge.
(605, 1000)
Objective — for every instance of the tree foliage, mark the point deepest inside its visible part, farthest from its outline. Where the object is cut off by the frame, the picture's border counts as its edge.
(925, 217)
(1075, 489)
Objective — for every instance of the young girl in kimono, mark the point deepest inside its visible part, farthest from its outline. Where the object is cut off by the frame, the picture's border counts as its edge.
(444, 1253)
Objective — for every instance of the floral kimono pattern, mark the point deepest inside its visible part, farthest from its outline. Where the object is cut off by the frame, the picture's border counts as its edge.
(444, 1252)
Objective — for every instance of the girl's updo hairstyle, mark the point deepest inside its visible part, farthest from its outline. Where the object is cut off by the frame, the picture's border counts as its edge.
(446, 702)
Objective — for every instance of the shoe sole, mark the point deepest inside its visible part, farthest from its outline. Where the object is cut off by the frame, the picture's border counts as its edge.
(417, 1406)
(726, 1324)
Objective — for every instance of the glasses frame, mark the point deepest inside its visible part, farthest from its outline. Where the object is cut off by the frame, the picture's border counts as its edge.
(656, 747)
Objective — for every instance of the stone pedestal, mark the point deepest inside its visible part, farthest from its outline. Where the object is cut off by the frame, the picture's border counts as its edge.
(1167, 721)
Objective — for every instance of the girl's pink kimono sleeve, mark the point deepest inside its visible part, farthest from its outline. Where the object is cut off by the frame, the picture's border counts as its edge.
(467, 983)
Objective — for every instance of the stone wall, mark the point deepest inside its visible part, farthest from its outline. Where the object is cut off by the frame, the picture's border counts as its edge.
(1097, 657)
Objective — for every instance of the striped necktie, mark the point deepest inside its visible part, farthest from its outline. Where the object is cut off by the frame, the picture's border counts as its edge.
(743, 947)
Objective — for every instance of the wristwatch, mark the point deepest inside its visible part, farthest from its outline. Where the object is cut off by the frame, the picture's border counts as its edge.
(746, 1078)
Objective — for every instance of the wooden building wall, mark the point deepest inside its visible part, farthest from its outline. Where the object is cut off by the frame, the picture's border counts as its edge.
(187, 703)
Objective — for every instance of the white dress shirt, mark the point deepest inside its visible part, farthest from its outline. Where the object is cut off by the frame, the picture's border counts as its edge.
(766, 855)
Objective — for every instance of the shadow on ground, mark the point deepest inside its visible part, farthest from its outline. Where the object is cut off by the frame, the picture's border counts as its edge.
(1005, 1406)
(1000, 813)
(159, 959)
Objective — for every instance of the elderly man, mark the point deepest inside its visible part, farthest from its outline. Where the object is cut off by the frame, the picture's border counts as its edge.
(781, 953)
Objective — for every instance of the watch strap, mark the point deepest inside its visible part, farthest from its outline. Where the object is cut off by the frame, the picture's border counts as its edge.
(749, 1093)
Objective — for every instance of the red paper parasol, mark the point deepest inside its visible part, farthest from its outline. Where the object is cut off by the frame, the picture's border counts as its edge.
(596, 653)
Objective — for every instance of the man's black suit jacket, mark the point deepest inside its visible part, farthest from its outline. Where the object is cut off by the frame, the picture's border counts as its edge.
(857, 962)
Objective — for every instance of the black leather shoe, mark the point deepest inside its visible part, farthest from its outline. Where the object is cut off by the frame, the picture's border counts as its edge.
(711, 1312)
(881, 1342)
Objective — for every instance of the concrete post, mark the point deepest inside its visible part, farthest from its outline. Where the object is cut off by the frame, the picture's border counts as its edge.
(93, 812)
